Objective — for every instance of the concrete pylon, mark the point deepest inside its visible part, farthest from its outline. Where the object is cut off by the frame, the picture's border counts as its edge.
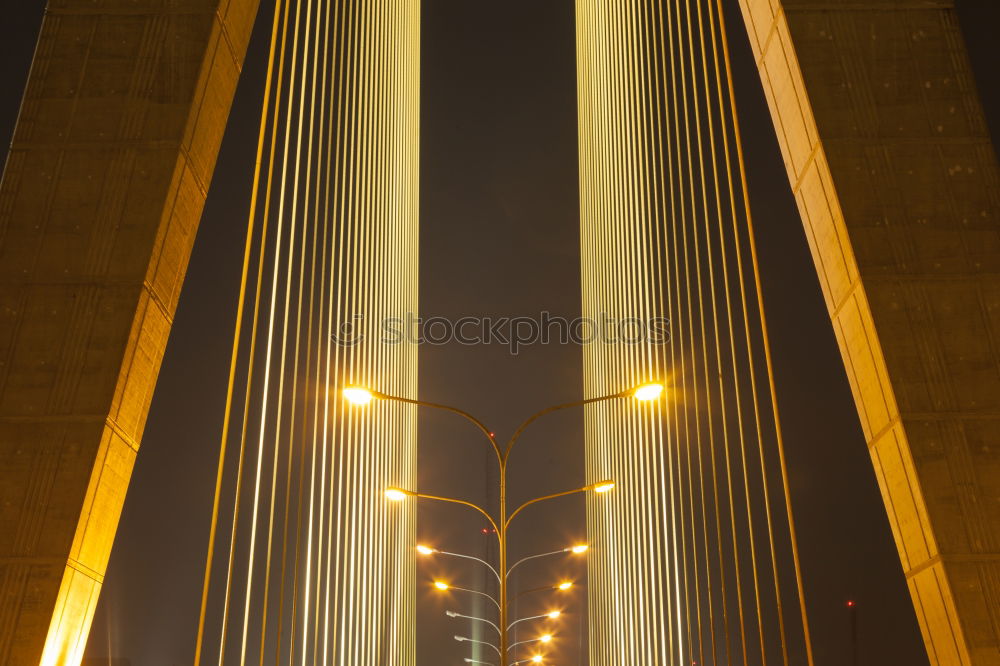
(896, 179)
(112, 157)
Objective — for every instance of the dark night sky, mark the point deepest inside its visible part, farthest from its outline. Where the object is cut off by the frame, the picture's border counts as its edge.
(499, 235)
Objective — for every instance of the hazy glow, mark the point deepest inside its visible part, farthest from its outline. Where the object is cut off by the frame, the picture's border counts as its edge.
(395, 494)
(582, 548)
(565, 586)
(604, 486)
(358, 395)
(537, 659)
(441, 585)
(545, 638)
(555, 614)
(648, 392)
(425, 550)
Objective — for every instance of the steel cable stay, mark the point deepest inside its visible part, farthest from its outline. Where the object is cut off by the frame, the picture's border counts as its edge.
(306, 564)
(666, 231)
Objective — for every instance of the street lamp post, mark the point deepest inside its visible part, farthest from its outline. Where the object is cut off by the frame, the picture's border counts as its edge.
(578, 549)
(427, 550)
(544, 638)
(501, 527)
(473, 618)
(466, 639)
(544, 616)
(441, 585)
(361, 396)
(551, 616)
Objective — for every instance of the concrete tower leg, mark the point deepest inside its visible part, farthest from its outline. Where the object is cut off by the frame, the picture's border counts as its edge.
(889, 157)
(114, 149)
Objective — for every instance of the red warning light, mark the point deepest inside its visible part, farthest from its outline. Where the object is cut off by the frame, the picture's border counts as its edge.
(850, 604)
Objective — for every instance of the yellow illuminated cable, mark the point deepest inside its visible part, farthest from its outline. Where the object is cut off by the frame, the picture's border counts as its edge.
(241, 300)
(335, 236)
(250, 364)
(766, 341)
(656, 199)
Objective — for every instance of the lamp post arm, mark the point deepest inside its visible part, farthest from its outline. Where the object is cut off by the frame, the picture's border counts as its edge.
(452, 500)
(470, 617)
(482, 594)
(555, 408)
(530, 640)
(454, 410)
(471, 557)
(533, 557)
(526, 619)
(472, 640)
(542, 499)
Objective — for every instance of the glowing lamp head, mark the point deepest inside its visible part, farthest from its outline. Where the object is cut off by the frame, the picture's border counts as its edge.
(565, 585)
(537, 659)
(441, 585)
(554, 614)
(603, 486)
(425, 550)
(579, 549)
(395, 494)
(358, 395)
(648, 392)
(545, 638)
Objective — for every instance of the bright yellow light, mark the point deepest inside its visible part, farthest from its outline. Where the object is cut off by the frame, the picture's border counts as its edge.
(647, 392)
(565, 586)
(441, 585)
(425, 550)
(546, 638)
(580, 549)
(537, 659)
(358, 395)
(555, 614)
(395, 494)
(603, 486)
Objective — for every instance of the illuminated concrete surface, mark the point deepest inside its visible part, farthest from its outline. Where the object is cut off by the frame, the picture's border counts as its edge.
(891, 164)
(101, 197)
